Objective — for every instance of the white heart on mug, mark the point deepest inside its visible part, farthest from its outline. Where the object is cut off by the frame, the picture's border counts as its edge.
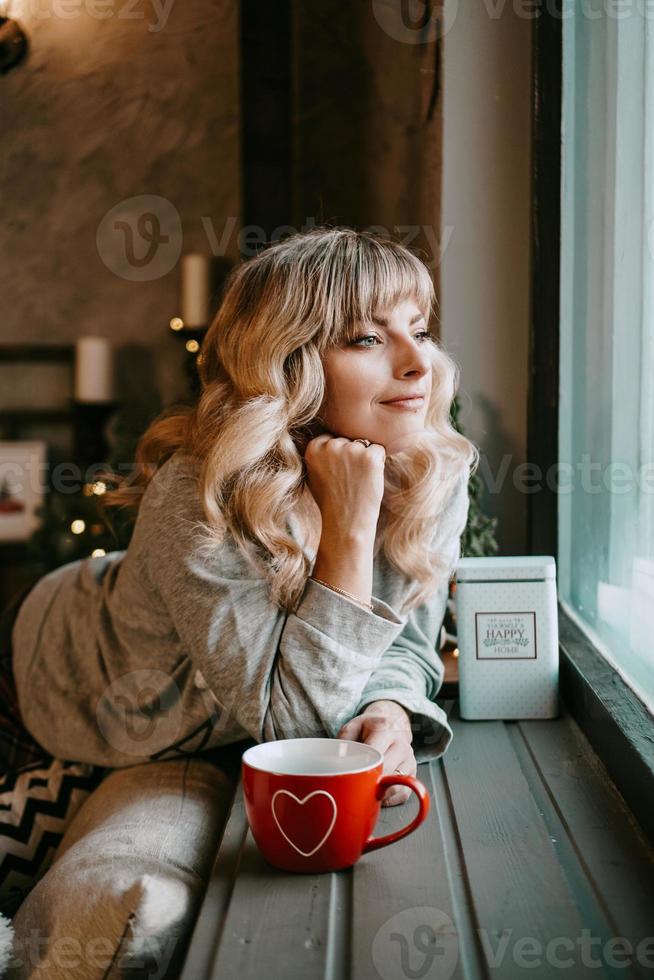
(316, 792)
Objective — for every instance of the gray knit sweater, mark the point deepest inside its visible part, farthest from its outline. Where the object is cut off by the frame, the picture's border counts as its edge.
(155, 652)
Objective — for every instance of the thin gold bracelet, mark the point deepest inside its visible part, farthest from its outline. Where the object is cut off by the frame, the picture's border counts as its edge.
(359, 602)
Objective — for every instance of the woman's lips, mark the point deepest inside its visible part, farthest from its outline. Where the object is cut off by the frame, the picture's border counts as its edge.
(406, 404)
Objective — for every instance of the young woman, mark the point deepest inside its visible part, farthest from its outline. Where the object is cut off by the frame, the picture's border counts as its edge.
(296, 531)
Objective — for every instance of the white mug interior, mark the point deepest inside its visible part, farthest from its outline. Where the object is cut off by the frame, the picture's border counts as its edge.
(312, 757)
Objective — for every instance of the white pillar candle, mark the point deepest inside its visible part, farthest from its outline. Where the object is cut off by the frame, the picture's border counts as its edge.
(196, 269)
(94, 380)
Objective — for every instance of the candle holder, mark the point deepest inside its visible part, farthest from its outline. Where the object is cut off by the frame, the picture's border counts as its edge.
(89, 422)
(191, 338)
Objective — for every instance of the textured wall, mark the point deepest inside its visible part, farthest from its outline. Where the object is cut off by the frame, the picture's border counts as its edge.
(141, 102)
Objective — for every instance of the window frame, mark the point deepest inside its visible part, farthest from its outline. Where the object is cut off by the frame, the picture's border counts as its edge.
(614, 720)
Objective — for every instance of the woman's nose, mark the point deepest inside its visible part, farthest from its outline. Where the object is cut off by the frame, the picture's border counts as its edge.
(410, 359)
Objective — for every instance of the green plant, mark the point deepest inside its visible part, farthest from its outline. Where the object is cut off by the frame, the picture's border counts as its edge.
(478, 540)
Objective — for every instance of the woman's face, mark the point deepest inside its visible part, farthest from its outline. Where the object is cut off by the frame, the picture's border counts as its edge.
(386, 361)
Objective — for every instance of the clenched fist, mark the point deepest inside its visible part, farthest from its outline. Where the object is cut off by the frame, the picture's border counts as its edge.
(346, 480)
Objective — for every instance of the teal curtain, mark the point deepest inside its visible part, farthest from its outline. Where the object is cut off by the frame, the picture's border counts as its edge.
(606, 420)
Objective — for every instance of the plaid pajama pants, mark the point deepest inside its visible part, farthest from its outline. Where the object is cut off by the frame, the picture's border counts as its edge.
(39, 794)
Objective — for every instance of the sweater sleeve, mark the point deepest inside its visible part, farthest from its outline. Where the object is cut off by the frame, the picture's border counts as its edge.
(276, 674)
(411, 671)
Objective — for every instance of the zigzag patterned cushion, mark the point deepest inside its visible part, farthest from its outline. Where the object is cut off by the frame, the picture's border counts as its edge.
(123, 893)
(37, 803)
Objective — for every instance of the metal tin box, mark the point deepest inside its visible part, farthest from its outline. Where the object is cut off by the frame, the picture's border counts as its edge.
(507, 631)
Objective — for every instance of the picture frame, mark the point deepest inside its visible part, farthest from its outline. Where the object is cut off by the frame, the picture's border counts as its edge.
(22, 483)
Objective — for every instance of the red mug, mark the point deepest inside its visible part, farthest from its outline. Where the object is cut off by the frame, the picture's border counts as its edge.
(312, 803)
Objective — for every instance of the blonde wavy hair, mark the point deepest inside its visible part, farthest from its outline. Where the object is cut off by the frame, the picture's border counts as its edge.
(262, 388)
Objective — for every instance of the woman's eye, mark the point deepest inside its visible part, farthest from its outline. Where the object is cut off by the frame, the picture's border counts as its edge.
(369, 336)
(422, 335)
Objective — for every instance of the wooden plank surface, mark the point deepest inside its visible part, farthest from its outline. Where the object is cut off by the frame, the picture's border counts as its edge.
(531, 901)
(405, 897)
(602, 849)
(529, 862)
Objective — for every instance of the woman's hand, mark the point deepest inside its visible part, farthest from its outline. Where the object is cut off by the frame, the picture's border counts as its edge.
(386, 726)
(346, 480)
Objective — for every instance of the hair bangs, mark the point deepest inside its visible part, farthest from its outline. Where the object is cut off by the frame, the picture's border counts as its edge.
(369, 277)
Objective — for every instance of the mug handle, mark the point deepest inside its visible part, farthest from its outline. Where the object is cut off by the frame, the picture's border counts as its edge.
(423, 799)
